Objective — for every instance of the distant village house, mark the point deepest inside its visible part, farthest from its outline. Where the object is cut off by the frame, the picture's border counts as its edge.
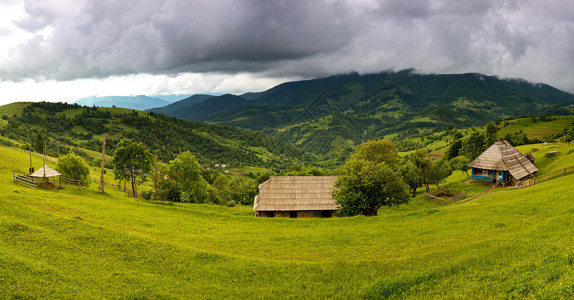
(296, 197)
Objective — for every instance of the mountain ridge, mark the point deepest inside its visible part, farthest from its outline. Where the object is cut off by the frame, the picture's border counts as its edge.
(379, 105)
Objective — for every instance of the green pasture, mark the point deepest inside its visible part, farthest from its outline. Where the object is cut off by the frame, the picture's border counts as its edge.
(77, 243)
(538, 129)
(15, 108)
(550, 157)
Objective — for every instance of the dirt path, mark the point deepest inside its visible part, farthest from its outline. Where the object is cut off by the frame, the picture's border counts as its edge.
(479, 196)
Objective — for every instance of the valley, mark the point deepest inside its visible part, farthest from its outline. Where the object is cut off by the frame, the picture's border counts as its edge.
(500, 242)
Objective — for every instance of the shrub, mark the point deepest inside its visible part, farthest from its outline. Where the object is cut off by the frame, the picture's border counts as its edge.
(147, 195)
(74, 167)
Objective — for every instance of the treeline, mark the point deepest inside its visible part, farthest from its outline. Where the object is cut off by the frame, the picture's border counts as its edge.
(183, 179)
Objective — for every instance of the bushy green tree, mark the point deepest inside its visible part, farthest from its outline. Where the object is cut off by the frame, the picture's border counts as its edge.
(363, 187)
(132, 162)
(454, 149)
(74, 167)
(517, 138)
(473, 145)
(158, 177)
(411, 177)
(460, 163)
(378, 151)
(423, 165)
(185, 172)
(439, 172)
(490, 134)
(40, 144)
(236, 190)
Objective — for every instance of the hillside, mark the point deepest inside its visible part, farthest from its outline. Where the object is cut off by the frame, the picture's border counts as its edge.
(79, 128)
(322, 115)
(201, 107)
(534, 129)
(174, 109)
(70, 243)
(132, 102)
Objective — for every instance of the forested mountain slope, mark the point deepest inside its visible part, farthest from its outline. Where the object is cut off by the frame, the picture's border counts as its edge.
(77, 126)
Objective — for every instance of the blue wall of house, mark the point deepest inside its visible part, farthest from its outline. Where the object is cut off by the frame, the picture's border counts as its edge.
(503, 175)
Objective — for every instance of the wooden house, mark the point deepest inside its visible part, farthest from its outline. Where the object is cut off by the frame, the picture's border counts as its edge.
(501, 162)
(296, 197)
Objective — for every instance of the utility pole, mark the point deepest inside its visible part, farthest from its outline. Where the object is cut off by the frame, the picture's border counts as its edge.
(59, 169)
(45, 164)
(102, 182)
(31, 168)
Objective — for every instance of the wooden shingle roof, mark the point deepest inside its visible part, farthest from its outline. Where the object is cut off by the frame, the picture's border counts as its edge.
(45, 171)
(296, 193)
(501, 156)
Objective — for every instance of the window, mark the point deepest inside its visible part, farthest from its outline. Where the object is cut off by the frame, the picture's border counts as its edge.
(293, 214)
(484, 172)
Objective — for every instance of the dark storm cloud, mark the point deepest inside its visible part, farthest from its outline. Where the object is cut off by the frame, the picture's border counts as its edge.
(117, 37)
(94, 38)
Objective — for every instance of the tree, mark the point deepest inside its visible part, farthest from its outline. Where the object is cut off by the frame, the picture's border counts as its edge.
(411, 177)
(40, 144)
(460, 163)
(473, 145)
(378, 151)
(363, 187)
(423, 165)
(72, 166)
(185, 171)
(158, 177)
(454, 149)
(132, 161)
(439, 172)
(490, 134)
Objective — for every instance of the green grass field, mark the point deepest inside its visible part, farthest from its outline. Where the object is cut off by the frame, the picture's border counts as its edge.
(71, 243)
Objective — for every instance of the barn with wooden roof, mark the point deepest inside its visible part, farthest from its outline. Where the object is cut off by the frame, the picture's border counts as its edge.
(501, 162)
(296, 197)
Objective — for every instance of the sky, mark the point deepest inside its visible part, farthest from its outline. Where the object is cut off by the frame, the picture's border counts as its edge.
(63, 50)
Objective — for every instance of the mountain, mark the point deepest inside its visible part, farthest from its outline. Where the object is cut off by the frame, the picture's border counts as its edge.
(201, 107)
(174, 108)
(133, 102)
(79, 128)
(354, 108)
(328, 116)
(171, 98)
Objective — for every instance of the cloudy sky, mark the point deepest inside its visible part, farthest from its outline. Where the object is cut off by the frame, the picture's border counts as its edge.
(62, 50)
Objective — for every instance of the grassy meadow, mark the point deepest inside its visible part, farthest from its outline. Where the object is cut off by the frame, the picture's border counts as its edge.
(78, 243)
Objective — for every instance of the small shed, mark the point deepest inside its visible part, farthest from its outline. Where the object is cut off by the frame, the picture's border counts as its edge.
(501, 162)
(296, 197)
(45, 173)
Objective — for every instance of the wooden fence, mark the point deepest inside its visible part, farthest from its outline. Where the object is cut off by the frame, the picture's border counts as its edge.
(106, 184)
(69, 181)
(445, 191)
(24, 180)
(542, 178)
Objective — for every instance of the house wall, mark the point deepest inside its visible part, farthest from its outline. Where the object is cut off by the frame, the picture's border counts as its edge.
(479, 174)
(309, 214)
(299, 214)
(282, 214)
(489, 175)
